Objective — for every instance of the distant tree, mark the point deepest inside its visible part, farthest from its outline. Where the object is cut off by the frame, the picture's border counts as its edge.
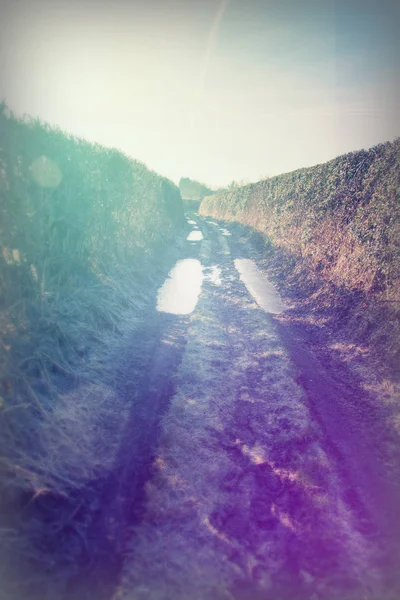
(193, 190)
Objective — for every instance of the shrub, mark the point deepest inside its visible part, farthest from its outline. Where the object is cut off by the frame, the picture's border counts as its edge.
(79, 227)
(343, 216)
(338, 224)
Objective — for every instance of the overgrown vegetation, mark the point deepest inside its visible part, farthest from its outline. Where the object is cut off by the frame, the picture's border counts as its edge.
(193, 190)
(82, 230)
(340, 223)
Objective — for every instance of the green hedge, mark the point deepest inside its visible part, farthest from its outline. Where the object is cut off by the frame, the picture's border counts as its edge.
(81, 230)
(341, 218)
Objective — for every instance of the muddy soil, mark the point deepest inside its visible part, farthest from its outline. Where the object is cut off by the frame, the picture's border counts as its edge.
(269, 475)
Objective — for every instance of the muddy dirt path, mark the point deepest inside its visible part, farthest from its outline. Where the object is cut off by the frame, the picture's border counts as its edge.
(263, 482)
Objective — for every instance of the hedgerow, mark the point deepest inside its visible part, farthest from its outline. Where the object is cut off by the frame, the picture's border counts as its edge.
(340, 220)
(81, 230)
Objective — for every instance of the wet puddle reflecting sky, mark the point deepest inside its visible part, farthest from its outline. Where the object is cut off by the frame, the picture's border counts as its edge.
(195, 236)
(180, 291)
(259, 287)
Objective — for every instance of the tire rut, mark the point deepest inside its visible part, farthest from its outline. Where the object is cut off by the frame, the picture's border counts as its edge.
(244, 502)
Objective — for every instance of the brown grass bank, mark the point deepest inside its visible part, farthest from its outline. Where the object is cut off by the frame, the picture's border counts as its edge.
(85, 234)
(335, 229)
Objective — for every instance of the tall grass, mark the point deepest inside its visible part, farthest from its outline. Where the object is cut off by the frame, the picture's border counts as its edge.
(81, 230)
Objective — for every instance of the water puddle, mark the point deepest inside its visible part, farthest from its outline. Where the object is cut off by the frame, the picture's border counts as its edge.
(179, 293)
(195, 236)
(259, 287)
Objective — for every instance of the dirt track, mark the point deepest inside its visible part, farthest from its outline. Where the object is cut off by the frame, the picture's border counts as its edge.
(265, 480)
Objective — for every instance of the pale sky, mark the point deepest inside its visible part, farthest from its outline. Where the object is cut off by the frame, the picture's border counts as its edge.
(213, 90)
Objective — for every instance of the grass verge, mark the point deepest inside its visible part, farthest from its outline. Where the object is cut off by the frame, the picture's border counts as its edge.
(86, 236)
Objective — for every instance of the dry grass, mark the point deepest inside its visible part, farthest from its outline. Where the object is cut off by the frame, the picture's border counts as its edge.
(338, 224)
(209, 531)
(77, 441)
(83, 229)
